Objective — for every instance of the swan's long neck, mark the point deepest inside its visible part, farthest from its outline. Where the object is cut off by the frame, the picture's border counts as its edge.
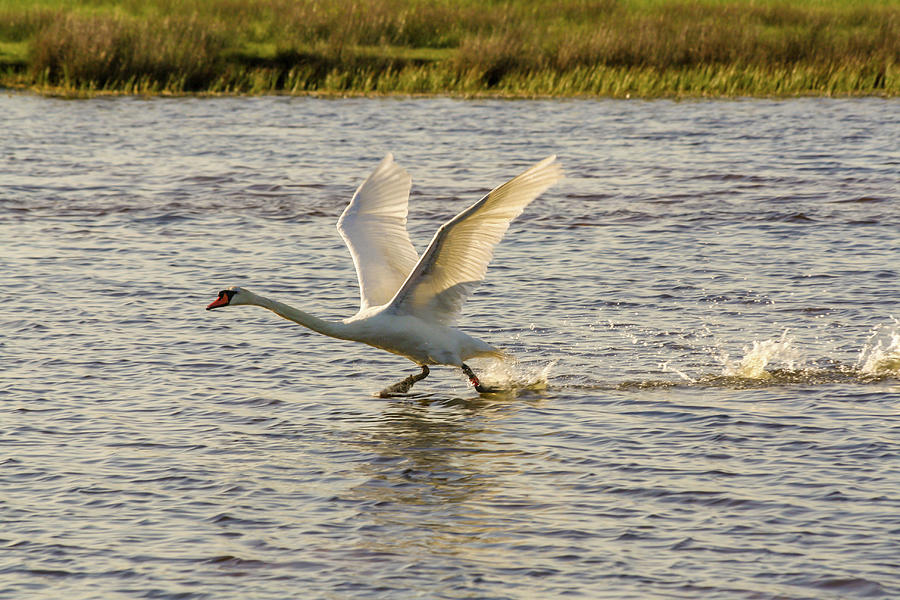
(336, 330)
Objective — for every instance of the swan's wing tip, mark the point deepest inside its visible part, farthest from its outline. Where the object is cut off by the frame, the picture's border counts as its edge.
(373, 225)
(388, 168)
(549, 166)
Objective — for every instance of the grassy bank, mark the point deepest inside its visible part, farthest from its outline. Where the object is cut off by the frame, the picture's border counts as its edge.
(615, 48)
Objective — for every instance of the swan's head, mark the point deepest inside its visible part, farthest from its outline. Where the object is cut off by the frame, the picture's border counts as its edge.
(231, 297)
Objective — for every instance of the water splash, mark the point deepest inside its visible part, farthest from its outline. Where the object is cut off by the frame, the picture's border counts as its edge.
(758, 356)
(511, 374)
(666, 368)
(880, 355)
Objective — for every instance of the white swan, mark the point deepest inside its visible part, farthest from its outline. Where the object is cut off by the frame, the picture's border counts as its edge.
(407, 303)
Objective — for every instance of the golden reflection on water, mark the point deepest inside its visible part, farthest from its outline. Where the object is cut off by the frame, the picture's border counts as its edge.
(436, 473)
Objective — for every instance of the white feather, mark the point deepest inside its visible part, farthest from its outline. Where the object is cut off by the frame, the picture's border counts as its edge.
(374, 228)
(457, 258)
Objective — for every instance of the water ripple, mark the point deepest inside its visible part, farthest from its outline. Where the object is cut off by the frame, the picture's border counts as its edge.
(703, 401)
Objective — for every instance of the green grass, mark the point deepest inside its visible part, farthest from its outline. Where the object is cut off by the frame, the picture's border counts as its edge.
(619, 48)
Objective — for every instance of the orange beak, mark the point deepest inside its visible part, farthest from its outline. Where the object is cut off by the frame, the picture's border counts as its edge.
(222, 300)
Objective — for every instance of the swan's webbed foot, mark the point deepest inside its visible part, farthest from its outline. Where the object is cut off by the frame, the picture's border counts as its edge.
(481, 389)
(404, 386)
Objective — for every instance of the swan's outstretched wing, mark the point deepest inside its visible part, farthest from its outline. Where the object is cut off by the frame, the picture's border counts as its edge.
(374, 228)
(457, 258)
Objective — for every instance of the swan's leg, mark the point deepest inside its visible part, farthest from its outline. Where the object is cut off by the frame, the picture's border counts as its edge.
(474, 380)
(403, 386)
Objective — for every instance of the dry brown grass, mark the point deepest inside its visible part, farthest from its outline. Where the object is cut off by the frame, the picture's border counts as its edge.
(691, 34)
(109, 50)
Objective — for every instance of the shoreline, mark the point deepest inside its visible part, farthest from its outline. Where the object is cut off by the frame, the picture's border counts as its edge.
(622, 84)
(84, 94)
(65, 94)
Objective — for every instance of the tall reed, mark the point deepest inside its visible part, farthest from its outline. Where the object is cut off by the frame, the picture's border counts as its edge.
(526, 47)
(110, 50)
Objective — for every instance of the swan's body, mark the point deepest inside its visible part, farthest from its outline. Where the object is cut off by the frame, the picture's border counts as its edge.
(407, 303)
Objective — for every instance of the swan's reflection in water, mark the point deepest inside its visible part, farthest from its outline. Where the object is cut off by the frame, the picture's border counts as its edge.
(436, 482)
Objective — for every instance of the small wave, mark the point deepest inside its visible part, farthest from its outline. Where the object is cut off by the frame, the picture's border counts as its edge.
(784, 377)
(772, 378)
(856, 586)
(860, 200)
(789, 218)
(235, 561)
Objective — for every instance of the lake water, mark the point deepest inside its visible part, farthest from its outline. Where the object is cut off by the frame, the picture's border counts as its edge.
(704, 315)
